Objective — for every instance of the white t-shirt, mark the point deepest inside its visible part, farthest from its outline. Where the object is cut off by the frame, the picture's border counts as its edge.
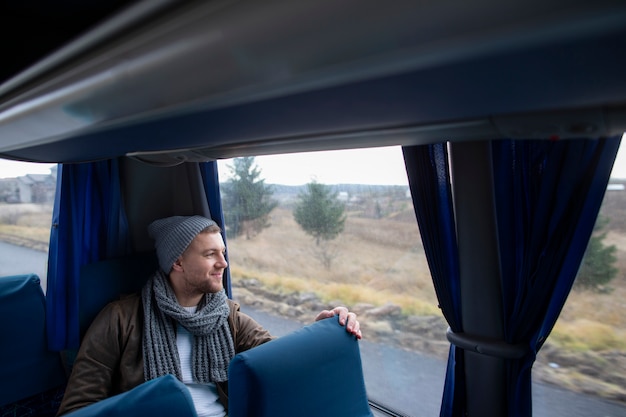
(205, 396)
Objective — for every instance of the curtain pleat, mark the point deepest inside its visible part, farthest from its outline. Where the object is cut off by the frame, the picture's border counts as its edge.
(429, 179)
(548, 195)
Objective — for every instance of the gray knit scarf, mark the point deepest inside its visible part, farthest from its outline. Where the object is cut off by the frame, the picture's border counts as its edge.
(213, 344)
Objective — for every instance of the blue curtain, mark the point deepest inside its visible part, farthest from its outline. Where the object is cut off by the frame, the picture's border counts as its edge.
(429, 179)
(211, 181)
(88, 224)
(548, 195)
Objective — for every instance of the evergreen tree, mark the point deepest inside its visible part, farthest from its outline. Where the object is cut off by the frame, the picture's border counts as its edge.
(321, 215)
(247, 199)
(598, 266)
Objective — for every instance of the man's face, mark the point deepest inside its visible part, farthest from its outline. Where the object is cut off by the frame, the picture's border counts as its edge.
(203, 264)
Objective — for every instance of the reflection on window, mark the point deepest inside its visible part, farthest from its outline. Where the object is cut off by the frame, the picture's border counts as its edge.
(26, 199)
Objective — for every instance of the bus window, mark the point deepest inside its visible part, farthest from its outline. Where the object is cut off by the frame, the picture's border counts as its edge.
(284, 270)
(26, 199)
(333, 228)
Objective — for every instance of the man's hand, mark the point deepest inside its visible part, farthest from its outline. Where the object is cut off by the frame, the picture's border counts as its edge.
(346, 318)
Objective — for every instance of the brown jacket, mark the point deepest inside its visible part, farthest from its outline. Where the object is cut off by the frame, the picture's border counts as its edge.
(110, 359)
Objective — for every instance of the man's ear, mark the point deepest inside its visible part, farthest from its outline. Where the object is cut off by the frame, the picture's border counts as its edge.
(178, 265)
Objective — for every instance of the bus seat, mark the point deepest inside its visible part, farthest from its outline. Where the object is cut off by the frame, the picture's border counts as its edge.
(314, 371)
(105, 281)
(28, 370)
(163, 396)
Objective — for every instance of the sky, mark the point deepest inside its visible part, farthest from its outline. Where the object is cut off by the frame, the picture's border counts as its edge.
(298, 169)
(12, 169)
(619, 167)
(329, 167)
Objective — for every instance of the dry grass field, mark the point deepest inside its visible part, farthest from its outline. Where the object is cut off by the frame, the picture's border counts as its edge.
(376, 262)
(26, 225)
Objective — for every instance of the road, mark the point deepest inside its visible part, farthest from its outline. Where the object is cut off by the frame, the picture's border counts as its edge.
(17, 260)
(409, 381)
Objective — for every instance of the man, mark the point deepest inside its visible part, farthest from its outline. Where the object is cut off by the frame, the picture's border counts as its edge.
(181, 324)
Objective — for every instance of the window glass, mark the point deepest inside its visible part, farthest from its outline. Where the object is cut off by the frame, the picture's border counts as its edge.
(336, 229)
(26, 200)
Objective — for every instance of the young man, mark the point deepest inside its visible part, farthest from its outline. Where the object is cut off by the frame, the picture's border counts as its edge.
(182, 323)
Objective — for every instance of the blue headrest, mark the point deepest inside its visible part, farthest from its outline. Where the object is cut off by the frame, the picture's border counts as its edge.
(164, 396)
(314, 371)
(26, 365)
(104, 281)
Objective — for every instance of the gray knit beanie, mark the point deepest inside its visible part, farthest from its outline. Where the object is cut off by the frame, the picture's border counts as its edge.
(172, 235)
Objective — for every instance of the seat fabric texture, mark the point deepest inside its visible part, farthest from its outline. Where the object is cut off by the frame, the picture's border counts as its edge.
(105, 281)
(161, 397)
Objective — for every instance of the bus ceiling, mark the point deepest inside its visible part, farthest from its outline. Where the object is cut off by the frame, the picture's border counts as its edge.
(170, 81)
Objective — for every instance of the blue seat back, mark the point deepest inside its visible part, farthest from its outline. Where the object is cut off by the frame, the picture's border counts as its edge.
(314, 371)
(161, 397)
(105, 281)
(27, 367)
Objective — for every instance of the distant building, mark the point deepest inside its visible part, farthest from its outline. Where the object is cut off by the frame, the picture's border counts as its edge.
(343, 196)
(30, 188)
